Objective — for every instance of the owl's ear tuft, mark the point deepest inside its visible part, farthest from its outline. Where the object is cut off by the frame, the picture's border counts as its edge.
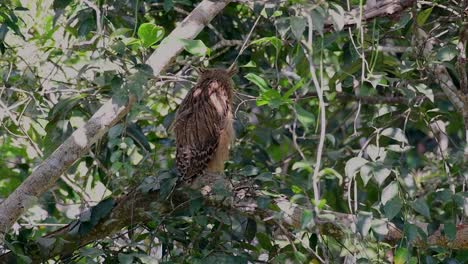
(232, 70)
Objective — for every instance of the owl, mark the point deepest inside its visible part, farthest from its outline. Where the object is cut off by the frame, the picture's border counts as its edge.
(203, 125)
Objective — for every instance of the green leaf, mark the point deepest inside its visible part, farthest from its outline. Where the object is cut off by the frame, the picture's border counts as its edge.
(305, 117)
(330, 173)
(318, 20)
(364, 222)
(120, 32)
(376, 153)
(136, 133)
(422, 88)
(298, 25)
(125, 258)
(380, 172)
(410, 232)
(353, 165)
(300, 257)
(91, 252)
(264, 241)
(337, 15)
(46, 243)
(302, 165)
(392, 207)
(307, 219)
(250, 64)
(61, 109)
(168, 5)
(450, 231)
(101, 210)
(218, 258)
(272, 98)
(379, 226)
(396, 134)
(447, 53)
(249, 170)
(250, 230)
(195, 205)
(61, 4)
(115, 131)
(366, 173)
(276, 42)
(150, 34)
(389, 192)
(195, 47)
(258, 81)
(401, 256)
(421, 207)
(423, 16)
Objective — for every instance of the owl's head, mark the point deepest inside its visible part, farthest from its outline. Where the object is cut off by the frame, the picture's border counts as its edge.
(216, 73)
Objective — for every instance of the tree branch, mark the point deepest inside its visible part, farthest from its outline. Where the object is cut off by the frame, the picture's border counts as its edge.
(47, 173)
(134, 208)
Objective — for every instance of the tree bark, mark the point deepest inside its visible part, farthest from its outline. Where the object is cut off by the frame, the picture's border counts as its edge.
(46, 174)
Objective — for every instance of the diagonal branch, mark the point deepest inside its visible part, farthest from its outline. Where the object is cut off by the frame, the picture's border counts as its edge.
(47, 173)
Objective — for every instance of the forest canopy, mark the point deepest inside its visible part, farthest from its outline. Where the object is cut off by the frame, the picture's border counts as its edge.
(350, 116)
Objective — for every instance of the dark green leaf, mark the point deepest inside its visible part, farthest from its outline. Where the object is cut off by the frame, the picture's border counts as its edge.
(450, 230)
(392, 207)
(250, 230)
(421, 207)
(264, 241)
(168, 5)
(298, 25)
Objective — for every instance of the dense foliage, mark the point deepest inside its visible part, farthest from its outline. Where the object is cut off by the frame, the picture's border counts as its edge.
(392, 145)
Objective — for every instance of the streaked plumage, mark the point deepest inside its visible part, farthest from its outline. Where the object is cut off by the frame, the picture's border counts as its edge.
(203, 125)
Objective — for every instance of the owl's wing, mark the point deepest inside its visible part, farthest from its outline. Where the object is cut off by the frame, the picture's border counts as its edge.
(199, 122)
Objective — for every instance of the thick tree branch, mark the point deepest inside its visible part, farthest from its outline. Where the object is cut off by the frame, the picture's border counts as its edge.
(134, 208)
(47, 173)
(374, 9)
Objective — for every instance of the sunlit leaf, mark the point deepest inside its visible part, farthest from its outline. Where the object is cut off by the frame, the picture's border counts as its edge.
(150, 34)
(396, 134)
(353, 165)
(258, 81)
(389, 192)
(364, 222)
(423, 16)
(338, 16)
(379, 226)
(276, 42)
(195, 47)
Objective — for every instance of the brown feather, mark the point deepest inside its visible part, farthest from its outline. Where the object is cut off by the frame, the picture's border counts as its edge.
(203, 125)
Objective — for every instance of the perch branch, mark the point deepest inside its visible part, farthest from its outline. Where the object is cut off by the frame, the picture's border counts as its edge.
(134, 208)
